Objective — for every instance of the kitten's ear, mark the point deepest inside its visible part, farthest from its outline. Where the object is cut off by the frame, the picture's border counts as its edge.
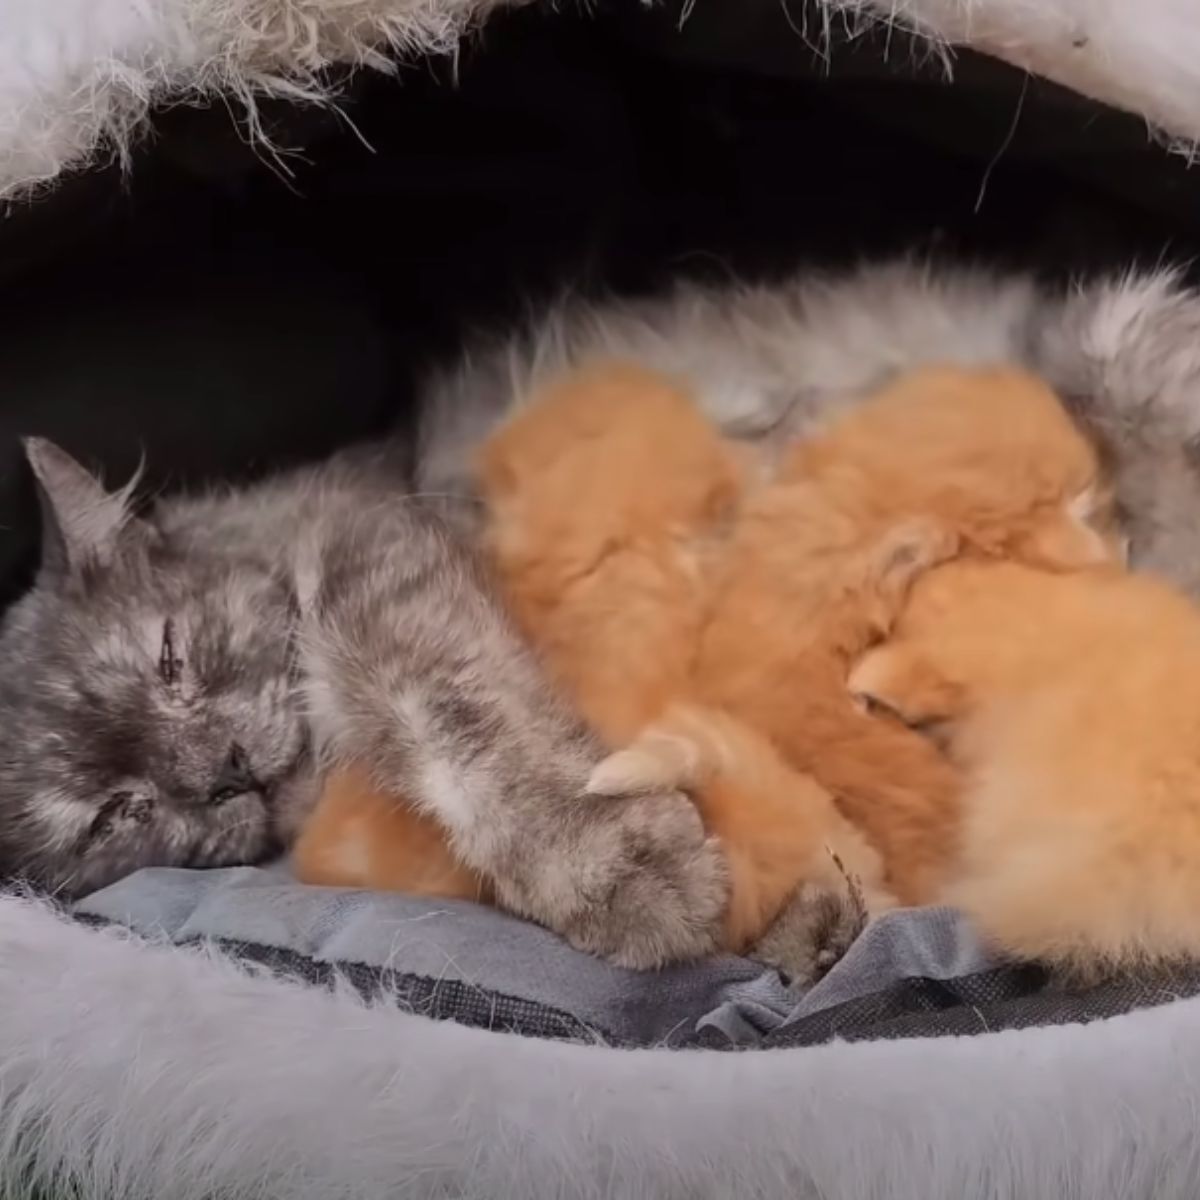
(81, 522)
(907, 550)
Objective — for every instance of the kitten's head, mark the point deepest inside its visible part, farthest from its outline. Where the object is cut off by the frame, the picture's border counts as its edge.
(991, 452)
(148, 713)
(973, 630)
(605, 457)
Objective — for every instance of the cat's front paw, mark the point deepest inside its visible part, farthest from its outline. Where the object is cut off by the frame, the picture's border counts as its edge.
(655, 885)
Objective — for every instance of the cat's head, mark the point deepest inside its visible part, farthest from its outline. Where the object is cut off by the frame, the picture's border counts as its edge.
(992, 453)
(148, 710)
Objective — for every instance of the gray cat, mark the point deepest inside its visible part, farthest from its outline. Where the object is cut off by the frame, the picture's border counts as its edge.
(172, 683)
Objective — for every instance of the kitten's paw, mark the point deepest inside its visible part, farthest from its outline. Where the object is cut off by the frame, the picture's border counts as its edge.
(656, 762)
(686, 744)
(655, 884)
(812, 932)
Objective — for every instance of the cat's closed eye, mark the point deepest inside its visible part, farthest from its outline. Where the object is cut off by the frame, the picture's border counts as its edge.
(170, 665)
(123, 805)
(105, 820)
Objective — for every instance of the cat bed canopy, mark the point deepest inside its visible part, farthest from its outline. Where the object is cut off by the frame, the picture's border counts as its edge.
(77, 79)
(219, 1034)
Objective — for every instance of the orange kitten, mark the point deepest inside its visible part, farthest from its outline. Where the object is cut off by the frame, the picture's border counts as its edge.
(607, 498)
(1072, 704)
(779, 828)
(819, 564)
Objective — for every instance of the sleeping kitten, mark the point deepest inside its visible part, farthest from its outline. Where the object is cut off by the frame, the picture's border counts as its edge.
(1072, 705)
(171, 684)
(608, 502)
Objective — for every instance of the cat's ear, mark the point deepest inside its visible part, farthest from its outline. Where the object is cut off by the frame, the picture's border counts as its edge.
(82, 523)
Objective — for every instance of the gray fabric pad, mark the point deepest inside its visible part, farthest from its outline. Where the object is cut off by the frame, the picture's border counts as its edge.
(479, 947)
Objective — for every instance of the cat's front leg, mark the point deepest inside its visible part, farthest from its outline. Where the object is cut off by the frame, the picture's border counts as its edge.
(415, 674)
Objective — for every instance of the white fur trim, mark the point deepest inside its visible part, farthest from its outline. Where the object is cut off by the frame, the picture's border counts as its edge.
(144, 1072)
(1143, 57)
(77, 77)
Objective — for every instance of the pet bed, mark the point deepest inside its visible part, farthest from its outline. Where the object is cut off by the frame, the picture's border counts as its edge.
(228, 1033)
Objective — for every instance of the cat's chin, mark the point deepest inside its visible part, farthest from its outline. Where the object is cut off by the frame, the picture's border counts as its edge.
(292, 800)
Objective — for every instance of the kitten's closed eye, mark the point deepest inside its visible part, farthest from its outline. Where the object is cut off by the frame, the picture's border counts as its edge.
(103, 824)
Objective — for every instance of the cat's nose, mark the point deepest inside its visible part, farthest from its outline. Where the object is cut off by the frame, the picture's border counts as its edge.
(234, 777)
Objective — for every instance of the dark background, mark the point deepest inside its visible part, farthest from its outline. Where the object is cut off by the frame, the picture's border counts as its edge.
(222, 313)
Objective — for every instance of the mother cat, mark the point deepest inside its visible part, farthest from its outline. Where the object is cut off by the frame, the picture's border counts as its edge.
(169, 683)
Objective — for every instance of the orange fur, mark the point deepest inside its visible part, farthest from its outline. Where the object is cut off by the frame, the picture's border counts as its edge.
(614, 530)
(608, 497)
(611, 500)
(821, 560)
(1073, 704)
(778, 826)
(360, 837)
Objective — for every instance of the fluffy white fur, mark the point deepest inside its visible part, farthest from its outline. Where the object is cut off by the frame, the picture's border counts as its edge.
(77, 77)
(1143, 58)
(142, 1072)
